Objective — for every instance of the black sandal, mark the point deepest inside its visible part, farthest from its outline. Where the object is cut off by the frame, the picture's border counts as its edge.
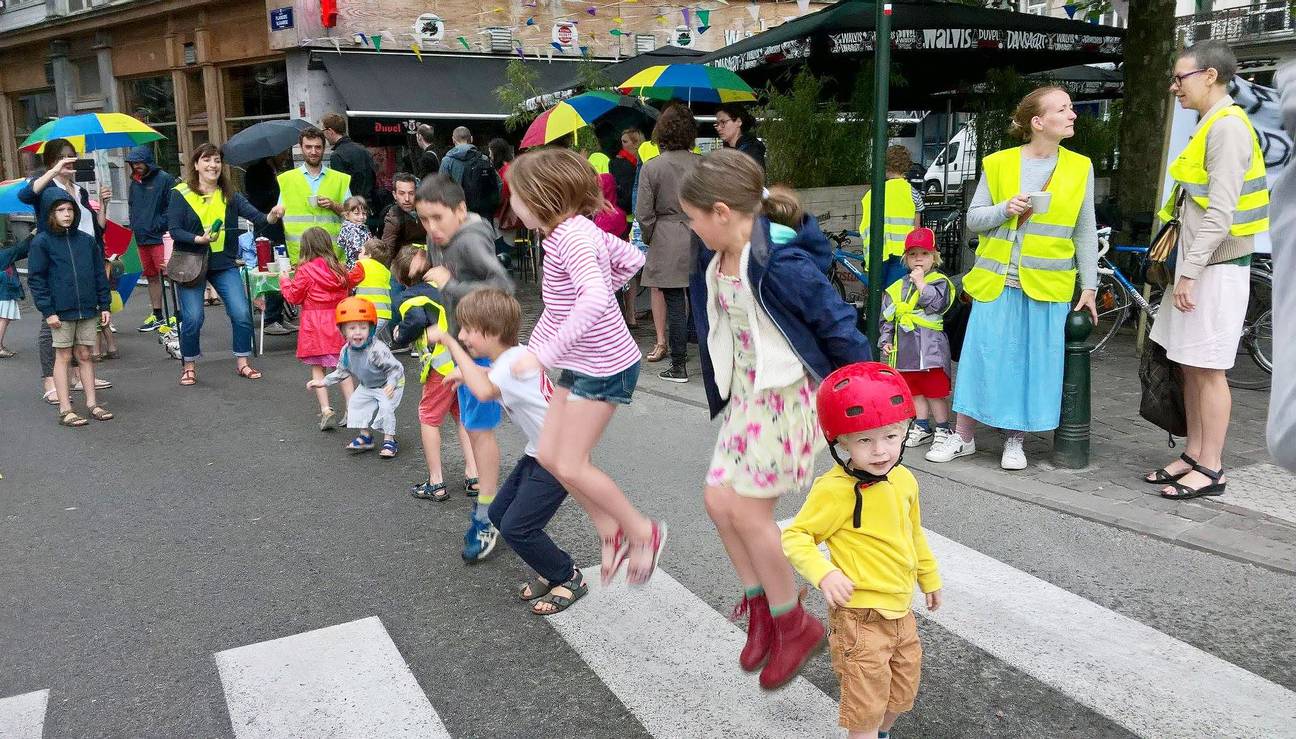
(539, 588)
(561, 603)
(472, 487)
(428, 491)
(1163, 476)
(1183, 492)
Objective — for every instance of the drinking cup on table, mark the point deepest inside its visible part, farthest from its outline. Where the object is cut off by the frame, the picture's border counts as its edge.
(283, 265)
(1040, 202)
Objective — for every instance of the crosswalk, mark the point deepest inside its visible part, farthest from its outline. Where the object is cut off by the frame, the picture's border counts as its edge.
(671, 660)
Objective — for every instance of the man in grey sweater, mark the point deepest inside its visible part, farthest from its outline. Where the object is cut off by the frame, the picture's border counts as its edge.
(1282, 231)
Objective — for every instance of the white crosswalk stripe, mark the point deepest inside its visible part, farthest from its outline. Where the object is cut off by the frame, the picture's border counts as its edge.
(673, 661)
(347, 680)
(23, 716)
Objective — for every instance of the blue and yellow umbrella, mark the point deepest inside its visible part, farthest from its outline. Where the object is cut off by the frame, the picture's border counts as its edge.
(692, 83)
(92, 131)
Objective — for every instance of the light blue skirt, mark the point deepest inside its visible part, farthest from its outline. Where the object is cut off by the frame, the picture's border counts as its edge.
(1010, 372)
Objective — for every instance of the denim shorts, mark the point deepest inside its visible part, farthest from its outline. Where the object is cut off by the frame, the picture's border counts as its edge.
(611, 389)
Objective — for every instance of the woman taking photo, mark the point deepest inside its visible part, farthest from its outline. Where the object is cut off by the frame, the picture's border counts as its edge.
(1034, 211)
(1221, 174)
(665, 229)
(202, 200)
(734, 125)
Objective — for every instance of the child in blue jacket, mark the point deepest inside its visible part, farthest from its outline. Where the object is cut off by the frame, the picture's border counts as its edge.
(70, 288)
(11, 290)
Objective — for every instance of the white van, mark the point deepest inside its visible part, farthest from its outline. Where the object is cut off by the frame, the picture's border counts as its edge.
(960, 154)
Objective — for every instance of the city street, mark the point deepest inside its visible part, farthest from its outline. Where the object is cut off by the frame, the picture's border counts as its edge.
(208, 564)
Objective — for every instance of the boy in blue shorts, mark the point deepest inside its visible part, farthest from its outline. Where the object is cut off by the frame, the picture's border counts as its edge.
(461, 252)
(489, 321)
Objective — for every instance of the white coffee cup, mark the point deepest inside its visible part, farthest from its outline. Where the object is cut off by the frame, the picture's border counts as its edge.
(1040, 201)
(283, 265)
(313, 201)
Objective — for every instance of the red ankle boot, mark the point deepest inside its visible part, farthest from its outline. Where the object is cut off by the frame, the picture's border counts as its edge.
(760, 631)
(797, 636)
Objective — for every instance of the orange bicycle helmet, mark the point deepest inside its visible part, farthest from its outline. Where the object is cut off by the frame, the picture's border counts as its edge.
(355, 309)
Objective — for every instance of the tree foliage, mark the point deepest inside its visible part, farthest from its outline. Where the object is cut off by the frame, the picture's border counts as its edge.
(522, 85)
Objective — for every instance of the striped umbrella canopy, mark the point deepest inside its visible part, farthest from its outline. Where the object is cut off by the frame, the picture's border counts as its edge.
(92, 131)
(692, 83)
(9, 202)
(579, 111)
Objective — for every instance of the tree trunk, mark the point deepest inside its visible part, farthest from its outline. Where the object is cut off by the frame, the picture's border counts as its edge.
(1150, 46)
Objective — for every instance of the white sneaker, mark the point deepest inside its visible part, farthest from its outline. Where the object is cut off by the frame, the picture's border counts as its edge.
(1014, 456)
(950, 446)
(918, 437)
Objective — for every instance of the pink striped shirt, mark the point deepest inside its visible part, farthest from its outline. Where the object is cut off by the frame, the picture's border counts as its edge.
(581, 328)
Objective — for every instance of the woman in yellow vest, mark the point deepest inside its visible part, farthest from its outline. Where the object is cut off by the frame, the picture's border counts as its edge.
(1034, 212)
(1221, 173)
(903, 214)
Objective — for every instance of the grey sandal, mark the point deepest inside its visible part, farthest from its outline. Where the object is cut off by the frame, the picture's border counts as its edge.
(539, 588)
(561, 603)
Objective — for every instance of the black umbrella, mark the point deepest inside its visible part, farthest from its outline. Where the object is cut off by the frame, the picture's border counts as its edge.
(264, 139)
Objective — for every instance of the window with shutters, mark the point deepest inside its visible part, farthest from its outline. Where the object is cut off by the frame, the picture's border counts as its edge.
(500, 39)
(644, 42)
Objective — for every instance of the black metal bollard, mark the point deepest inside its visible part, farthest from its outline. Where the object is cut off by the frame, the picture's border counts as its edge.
(1071, 440)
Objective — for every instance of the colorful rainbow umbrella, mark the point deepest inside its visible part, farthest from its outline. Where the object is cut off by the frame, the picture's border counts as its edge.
(92, 131)
(579, 111)
(9, 202)
(693, 83)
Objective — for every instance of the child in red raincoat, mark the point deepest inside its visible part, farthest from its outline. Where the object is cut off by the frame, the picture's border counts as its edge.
(318, 285)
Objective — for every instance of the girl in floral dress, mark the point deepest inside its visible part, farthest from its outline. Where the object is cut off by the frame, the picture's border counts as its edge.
(774, 327)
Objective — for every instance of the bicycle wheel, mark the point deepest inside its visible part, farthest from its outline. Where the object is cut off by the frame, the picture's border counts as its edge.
(1257, 336)
(1113, 308)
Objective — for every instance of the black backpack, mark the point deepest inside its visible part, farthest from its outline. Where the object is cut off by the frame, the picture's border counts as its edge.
(481, 185)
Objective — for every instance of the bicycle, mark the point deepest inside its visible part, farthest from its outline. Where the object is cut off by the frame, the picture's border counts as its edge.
(1117, 293)
(850, 281)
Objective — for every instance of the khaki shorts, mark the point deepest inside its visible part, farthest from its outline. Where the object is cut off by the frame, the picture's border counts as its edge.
(878, 663)
(81, 333)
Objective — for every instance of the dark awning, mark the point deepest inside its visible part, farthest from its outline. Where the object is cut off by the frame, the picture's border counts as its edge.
(442, 86)
(936, 46)
(621, 71)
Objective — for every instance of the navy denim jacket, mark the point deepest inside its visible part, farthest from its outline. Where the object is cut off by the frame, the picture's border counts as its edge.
(794, 292)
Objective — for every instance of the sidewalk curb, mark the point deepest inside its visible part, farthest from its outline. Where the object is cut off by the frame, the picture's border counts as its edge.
(1112, 511)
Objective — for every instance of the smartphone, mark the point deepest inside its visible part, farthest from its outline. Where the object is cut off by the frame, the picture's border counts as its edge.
(85, 170)
(216, 225)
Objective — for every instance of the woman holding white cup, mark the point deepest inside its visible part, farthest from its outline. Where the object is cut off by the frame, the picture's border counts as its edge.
(1034, 211)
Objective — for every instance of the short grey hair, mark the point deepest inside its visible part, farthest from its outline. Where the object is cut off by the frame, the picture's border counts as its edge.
(462, 135)
(1213, 54)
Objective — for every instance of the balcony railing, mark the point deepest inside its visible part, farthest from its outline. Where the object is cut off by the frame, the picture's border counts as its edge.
(1259, 22)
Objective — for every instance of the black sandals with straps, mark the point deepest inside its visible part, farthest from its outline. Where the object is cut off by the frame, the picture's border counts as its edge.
(1163, 476)
(1183, 492)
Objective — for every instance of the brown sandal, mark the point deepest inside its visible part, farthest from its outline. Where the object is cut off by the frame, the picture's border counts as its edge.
(70, 418)
(100, 413)
(188, 377)
(247, 372)
(658, 353)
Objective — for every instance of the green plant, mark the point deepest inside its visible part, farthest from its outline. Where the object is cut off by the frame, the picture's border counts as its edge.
(522, 85)
(811, 143)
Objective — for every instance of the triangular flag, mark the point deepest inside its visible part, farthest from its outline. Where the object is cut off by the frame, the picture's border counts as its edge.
(704, 17)
(418, 52)
(519, 52)
(703, 29)
(616, 32)
(584, 50)
(464, 41)
(556, 45)
(377, 42)
(803, 6)
(1070, 10)
(618, 20)
(685, 13)
(530, 21)
(661, 19)
(592, 10)
(754, 10)
(126, 285)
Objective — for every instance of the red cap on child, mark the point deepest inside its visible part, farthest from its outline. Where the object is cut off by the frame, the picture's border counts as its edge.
(921, 238)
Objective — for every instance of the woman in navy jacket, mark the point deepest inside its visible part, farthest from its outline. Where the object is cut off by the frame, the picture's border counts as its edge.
(208, 185)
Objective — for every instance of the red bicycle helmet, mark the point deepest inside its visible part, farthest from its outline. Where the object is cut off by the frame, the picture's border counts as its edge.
(355, 309)
(862, 396)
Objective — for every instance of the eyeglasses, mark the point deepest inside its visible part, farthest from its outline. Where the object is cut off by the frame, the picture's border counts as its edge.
(1177, 79)
(722, 121)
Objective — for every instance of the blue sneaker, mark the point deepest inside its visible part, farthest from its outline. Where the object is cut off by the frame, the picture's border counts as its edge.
(479, 540)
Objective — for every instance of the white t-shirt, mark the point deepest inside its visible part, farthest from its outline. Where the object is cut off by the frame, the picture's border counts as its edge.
(87, 222)
(525, 400)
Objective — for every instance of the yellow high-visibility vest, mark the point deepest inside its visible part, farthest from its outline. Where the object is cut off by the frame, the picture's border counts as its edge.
(1046, 264)
(900, 214)
(905, 311)
(376, 286)
(1189, 172)
(648, 150)
(295, 193)
(439, 358)
(210, 208)
(599, 161)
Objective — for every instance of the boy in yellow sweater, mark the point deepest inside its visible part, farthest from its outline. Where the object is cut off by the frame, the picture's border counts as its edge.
(866, 509)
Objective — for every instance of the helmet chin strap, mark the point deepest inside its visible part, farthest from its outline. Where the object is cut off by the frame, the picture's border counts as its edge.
(864, 478)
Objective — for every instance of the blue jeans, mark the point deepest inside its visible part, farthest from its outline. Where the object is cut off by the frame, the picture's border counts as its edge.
(229, 285)
(522, 508)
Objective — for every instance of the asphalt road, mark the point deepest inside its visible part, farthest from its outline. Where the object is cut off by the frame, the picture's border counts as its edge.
(208, 518)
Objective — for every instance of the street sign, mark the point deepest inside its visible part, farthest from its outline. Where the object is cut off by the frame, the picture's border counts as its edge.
(281, 19)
